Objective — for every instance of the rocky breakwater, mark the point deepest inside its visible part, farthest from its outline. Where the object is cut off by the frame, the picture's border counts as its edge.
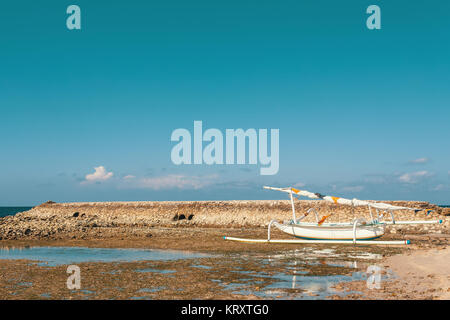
(95, 220)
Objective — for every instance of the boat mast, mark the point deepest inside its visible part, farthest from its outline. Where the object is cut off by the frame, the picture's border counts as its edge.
(293, 206)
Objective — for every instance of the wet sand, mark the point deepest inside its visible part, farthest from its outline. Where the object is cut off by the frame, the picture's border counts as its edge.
(232, 271)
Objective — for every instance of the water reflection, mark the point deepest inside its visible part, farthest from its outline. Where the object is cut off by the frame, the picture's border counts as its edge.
(305, 273)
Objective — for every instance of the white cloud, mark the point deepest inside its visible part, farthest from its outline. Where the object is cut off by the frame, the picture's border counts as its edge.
(100, 174)
(177, 182)
(439, 187)
(419, 161)
(352, 189)
(413, 177)
(129, 177)
(299, 185)
(376, 178)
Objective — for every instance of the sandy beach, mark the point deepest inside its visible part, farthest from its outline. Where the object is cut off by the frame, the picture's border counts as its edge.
(421, 274)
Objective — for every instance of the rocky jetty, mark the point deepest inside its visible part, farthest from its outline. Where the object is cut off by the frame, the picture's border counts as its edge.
(109, 219)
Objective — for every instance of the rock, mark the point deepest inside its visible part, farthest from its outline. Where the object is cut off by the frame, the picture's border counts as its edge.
(27, 232)
(62, 219)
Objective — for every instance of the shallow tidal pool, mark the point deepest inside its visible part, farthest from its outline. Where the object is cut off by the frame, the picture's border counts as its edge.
(116, 273)
(53, 256)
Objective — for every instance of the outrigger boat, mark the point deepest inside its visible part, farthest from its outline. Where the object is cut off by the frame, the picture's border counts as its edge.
(359, 230)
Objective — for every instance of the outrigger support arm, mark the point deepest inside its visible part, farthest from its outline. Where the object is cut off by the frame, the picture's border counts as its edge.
(315, 212)
(392, 216)
(268, 229)
(355, 224)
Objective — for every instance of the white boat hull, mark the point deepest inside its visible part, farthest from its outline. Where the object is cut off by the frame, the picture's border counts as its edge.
(332, 232)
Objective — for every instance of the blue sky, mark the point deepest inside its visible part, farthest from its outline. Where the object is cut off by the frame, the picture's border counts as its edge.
(361, 113)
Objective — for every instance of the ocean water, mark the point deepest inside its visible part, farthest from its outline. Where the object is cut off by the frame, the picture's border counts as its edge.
(10, 211)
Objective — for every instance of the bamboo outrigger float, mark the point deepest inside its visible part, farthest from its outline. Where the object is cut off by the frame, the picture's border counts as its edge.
(358, 231)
